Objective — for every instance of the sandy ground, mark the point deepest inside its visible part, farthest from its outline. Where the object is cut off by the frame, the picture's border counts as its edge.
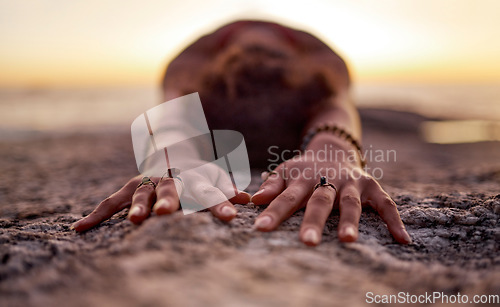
(448, 196)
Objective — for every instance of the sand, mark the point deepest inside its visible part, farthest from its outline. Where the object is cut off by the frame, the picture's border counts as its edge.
(448, 196)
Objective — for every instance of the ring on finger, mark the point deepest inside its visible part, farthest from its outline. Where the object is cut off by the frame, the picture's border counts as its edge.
(146, 180)
(269, 174)
(173, 173)
(324, 183)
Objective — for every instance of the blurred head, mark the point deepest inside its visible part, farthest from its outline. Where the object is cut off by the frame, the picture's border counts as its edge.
(259, 62)
(259, 86)
(262, 85)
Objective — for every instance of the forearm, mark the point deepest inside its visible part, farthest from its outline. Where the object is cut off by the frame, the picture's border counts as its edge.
(342, 114)
(339, 109)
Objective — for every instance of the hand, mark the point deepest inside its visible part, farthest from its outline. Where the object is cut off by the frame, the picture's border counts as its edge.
(207, 186)
(291, 187)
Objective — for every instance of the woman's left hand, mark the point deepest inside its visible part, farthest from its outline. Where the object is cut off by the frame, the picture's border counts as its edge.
(290, 187)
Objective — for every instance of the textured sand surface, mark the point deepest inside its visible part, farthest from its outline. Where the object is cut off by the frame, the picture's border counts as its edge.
(448, 196)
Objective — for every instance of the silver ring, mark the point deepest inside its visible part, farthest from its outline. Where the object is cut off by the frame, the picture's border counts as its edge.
(172, 173)
(146, 180)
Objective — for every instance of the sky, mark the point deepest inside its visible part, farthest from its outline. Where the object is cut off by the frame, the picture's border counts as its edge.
(94, 43)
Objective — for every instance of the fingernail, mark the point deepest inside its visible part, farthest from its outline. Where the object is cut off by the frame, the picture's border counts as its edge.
(228, 211)
(406, 236)
(135, 211)
(263, 222)
(258, 192)
(349, 231)
(311, 236)
(245, 193)
(163, 204)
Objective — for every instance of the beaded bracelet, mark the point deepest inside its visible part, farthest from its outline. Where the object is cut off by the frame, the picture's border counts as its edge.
(337, 131)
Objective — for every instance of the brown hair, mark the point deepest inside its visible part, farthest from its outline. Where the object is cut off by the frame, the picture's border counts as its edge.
(240, 71)
(265, 93)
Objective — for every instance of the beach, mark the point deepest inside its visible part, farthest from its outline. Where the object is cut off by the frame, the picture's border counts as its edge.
(53, 172)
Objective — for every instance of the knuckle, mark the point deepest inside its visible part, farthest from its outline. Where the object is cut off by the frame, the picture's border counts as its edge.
(96, 214)
(350, 181)
(349, 199)
(357, 174)
(387, 202)
(290, 195)
(134, 181)
(368, 181)
(323, 197)
(107, 203)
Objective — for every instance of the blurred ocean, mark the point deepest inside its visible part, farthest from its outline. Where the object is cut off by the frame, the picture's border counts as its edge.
(25, 111)
(457, 102)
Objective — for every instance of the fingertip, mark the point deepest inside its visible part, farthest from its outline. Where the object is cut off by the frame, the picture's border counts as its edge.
(74, 226)
(81, 225)
(258, 198)
(164, 206)
(263, 223)
(137, 214)
(310, 237)
(404, 237)
(348, 234)
(224, 211)
(241, 198)
(227, 213)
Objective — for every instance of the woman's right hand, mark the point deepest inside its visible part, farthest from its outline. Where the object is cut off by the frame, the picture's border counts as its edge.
(205, 187)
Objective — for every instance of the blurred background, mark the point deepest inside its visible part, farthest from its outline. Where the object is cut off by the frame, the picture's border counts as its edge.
(93, 64)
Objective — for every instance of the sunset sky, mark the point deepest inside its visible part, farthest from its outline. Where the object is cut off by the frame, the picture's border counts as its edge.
(56, 43)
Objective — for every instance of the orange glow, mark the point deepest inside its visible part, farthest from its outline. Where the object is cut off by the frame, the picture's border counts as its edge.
(102, 43)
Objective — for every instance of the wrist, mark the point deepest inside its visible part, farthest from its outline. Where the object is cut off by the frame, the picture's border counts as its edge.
(334, 142)
(330, 148)
(324, 138)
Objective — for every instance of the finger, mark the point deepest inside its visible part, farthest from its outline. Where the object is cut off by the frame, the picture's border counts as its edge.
(142, 201)
(230, 191)
(388, 211)
(242, 198)
(350, 212)
(264, 175)
(211, 197)
(271, 188)
(224, 211)
(111, 205)
(318, 209)
(282, 207)
(167, 196)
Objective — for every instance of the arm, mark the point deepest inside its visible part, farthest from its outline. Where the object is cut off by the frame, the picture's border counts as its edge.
(181, 75)
(353, 189)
